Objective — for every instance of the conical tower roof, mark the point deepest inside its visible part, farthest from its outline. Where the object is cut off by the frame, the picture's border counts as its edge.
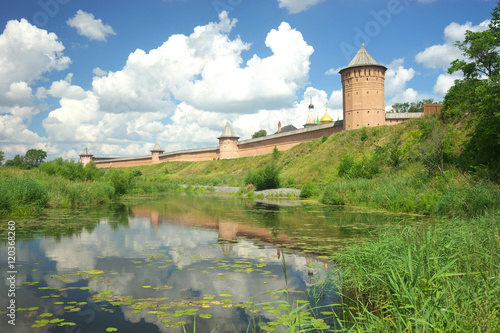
(362, 58)
(86, 152)
(157, 148)
(228, 133)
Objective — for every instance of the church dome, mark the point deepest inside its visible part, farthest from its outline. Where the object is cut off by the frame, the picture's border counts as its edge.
(326, 118)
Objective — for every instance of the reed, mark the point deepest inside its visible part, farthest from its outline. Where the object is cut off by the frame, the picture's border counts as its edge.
(439, 278)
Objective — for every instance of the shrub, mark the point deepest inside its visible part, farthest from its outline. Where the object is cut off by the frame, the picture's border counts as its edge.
(331, 196)
(276, 153)
(121, 181)
(264, 178)
(364, 134)
(136, 173)
(349, 168)
(308, 190)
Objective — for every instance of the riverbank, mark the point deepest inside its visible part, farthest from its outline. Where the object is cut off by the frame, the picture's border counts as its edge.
(429, 278)
(387, 168)
(28, 193)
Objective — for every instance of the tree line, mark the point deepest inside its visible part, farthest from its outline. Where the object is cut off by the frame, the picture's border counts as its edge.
(32, 159)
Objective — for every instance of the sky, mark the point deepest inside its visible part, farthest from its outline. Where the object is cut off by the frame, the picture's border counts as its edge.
(119, 75)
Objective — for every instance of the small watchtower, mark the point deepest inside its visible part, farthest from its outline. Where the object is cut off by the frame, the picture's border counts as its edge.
(228, 143)
(86, 156)
(156, 153)
(363, 89)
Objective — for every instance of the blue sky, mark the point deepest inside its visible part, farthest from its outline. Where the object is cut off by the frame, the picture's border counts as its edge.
(117, 76)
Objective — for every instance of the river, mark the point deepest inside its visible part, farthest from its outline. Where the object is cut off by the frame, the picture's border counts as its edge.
(180, 262)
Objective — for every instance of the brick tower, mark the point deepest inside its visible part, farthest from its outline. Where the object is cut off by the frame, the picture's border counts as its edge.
(363, 82)
(228, 143)
(155, 153)
(86, 156)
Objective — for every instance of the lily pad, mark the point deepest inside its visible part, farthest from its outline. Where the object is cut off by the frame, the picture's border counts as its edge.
(206, 316)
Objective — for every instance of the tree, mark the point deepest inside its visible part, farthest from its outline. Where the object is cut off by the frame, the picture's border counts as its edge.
(34, 157)
(480, 50)
(1, 157)
(259, 134)
(411, 107)
(17, 161)
(479, 94)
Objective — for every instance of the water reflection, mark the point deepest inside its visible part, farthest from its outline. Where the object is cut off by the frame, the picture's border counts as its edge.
(160, 263)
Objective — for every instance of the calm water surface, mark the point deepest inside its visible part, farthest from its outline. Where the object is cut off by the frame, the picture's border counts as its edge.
(180, 262)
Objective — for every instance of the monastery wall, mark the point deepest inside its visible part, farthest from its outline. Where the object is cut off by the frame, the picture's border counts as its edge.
(122, 162)
(398, 118)
(191, 155)
(287, 140)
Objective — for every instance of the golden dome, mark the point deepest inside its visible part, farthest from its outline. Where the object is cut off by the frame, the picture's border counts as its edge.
(326, 118)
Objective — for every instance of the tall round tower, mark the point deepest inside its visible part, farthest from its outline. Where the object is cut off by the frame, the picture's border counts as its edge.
(228, 143)
(363, 82)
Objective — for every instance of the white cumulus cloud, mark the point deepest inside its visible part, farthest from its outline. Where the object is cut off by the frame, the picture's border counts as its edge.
(206, 70)
(396, 79)
(441, 55)
(26, 52)
(444, 82)
(86, 25)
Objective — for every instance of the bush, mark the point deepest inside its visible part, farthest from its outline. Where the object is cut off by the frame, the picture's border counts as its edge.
(264, 178)
(331, 196)
(121, 181)
(308, 190)
(349, 168)
(364, 134)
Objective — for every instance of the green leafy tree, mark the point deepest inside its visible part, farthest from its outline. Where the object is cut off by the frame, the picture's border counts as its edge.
(34, 157)
(259, 134)
(17, 161)
(479, 94)
(411, 107)
(2, 156)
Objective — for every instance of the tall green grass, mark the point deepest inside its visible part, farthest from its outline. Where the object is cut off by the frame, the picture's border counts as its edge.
(439, 278)
(28, 192)
(417, 193)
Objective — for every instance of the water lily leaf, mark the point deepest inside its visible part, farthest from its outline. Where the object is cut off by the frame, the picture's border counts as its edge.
(111, 329)
(226, 295)
(90, 272)
(55, 321)
(206, 316)
(48, 314)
